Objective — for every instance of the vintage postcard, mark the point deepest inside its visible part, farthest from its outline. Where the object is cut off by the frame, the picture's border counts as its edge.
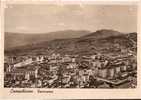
(70, 50)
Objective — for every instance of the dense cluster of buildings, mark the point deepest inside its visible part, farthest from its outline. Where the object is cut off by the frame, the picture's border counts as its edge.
(69, 71)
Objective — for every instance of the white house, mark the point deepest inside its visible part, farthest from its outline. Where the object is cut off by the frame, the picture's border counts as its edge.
(117, 69)
(39, 59)
(111, 72)
(103, 73)
(23, 63)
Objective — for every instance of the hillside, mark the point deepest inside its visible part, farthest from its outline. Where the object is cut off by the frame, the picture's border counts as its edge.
(16, 39)
(105, 42)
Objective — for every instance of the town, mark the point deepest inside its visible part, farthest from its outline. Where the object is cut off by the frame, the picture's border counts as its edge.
(70, 71)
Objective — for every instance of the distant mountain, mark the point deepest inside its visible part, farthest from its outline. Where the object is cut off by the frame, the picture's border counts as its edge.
(102, 34)
(19, 39)
(102, 41)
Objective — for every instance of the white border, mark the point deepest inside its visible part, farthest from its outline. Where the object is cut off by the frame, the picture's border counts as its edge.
(71, 93)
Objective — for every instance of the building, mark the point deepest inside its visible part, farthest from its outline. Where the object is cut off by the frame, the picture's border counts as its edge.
(66, 58)
(103, 72)
(40, 59)
(24, 63)
(111, 72)
(26, 72)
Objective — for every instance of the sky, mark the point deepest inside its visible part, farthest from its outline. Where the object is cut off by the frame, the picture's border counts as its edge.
(39, 18)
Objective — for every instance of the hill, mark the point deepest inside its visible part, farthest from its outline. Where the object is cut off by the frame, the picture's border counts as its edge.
(103, 33)
(102, 41)
(20, 39)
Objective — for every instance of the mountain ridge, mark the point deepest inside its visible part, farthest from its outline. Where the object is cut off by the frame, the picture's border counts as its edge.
(16, 39)
(107, 44)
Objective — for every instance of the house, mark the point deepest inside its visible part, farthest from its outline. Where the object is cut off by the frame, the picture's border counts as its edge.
(54, 56)
(66, 79)
(83, 79)
(93, 57)
(73, 59)
(18, 64)
(26, 72)
(39, 58)
(71, 65)
(103, 72)
(52, 61)
(94, 72)
(117, 66)
(28, 61)
(66, 58)
(7, 67)
(53, 67)
(123, 68)
(27, 76)
(105, 63)
(94, 64)
(98, 64)
(24, 63)
(134, 65)
(117, 69)
(84, 65)
(39, 83)
(111, 72)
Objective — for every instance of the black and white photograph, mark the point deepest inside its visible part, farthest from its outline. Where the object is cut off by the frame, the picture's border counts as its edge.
(70, 46)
